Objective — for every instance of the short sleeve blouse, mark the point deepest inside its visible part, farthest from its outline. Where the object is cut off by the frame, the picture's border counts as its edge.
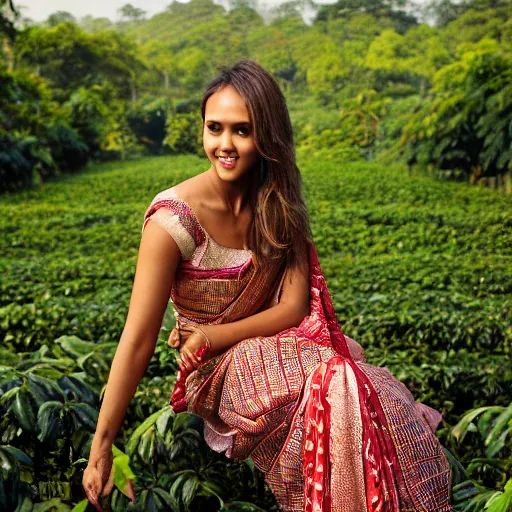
(178, 219)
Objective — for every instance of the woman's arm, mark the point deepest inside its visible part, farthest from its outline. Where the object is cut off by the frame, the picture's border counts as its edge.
(292, 308)
(156, 265)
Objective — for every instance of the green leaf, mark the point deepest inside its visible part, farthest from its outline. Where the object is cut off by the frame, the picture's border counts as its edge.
(48, 505)
(87, 415)
(163, 421)
(464, 491)
(81, 506)
(20, 456)
(74, 346)
(9, 394)
(501, 502)
(498, 444)
(210, 489)
(23, 410)
(44, 389)
(498, 430)
(48, 421)
(189, 490)
(185, 420)
(146, 448)
(241, 506)
(176, 488)
(166, 497)
(131, 446)
(82, 392)
(25, 506)
(460, 430)
(458, 471)
(122, 470)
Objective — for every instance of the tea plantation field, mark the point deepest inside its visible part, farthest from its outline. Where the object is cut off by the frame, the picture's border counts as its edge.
(420, 272)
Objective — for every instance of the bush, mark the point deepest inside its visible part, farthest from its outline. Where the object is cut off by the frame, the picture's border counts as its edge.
(148, 123)
(68, 151)
(419, 274)
(22, 159)
(184, 133)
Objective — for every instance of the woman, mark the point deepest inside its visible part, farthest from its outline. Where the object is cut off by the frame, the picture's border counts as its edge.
(262, 358)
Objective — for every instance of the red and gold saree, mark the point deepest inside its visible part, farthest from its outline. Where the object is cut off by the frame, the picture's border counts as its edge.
(330, 432)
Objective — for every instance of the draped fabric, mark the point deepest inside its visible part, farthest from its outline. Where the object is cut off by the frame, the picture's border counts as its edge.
(330, 432)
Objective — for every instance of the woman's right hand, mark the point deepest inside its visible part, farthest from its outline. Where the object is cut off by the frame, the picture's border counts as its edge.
(98, 478)
(174, 338)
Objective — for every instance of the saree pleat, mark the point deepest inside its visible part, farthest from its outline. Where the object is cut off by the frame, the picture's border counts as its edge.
(330, 432)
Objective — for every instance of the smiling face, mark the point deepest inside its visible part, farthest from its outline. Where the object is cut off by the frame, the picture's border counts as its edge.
(228, 136)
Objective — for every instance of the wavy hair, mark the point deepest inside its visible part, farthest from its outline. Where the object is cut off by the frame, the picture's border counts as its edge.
(280, 226)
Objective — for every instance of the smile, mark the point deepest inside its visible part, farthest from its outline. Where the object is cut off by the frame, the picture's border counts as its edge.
(228, 159)
(227, 162)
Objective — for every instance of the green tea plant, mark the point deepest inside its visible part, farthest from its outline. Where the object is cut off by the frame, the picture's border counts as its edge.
(486, 483)
(419, 272)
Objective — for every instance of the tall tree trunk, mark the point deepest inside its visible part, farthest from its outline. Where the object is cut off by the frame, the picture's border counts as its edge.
(166, 79)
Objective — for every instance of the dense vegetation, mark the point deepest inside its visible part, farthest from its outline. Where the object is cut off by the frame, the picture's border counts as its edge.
(419, 271)
(366, 79)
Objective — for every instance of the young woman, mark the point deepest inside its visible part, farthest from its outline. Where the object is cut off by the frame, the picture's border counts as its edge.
(262, 358)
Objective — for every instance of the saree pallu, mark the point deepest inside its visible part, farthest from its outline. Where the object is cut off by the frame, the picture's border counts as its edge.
(330, 432)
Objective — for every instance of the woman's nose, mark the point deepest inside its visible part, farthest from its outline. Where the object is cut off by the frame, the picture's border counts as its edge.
(226, 141)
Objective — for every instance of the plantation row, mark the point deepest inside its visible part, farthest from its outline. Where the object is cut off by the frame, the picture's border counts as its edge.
(419, 271)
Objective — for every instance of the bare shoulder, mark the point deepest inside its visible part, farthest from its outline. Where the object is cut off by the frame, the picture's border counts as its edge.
(194, 190)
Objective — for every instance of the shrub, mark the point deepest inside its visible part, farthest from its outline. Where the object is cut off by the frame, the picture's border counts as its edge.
(68, 151)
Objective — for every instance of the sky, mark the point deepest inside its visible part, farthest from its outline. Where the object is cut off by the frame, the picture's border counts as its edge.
(39, 10)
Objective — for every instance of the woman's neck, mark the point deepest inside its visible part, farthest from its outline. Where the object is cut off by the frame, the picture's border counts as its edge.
(234, 196)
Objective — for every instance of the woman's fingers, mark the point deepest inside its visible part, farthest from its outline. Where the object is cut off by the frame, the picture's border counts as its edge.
(179, 336)
(188, 360)
(174, 338)
(110, 483)
(183, 363)
(192, 358)
(92, 486)
(92, 496)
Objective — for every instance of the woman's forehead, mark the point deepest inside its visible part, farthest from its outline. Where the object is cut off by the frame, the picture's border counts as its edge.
(227, 106)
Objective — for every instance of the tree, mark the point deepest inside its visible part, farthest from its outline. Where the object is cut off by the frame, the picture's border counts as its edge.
(128, 11)
(473, 25)
(159, 57)
(413, 58)
(8, 15)
(443, 12)
(466, 123)
(392, 9)
(60, 17)
(92, 24)
(70, 58)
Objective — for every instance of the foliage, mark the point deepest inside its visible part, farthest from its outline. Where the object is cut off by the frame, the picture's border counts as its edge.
(466, 123)
(184, 133)
(418, 270)
(490, 461)
(118, 86)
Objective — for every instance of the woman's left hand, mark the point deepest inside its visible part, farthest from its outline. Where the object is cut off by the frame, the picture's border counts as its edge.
(195, 340)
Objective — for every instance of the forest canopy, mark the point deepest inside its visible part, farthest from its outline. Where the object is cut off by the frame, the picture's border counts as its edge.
(368, 79)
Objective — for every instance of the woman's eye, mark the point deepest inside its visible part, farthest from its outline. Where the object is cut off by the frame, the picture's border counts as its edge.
(243, 131)
(212, 127)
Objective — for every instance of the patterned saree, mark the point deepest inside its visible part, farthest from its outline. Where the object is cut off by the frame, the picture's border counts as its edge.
(331, 432)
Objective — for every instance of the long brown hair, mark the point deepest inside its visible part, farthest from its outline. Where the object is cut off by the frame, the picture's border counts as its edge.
(280, 227)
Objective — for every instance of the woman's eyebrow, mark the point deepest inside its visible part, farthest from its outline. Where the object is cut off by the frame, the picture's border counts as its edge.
(234, 124)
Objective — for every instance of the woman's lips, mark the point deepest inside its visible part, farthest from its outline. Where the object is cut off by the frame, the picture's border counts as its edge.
(227, 163)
